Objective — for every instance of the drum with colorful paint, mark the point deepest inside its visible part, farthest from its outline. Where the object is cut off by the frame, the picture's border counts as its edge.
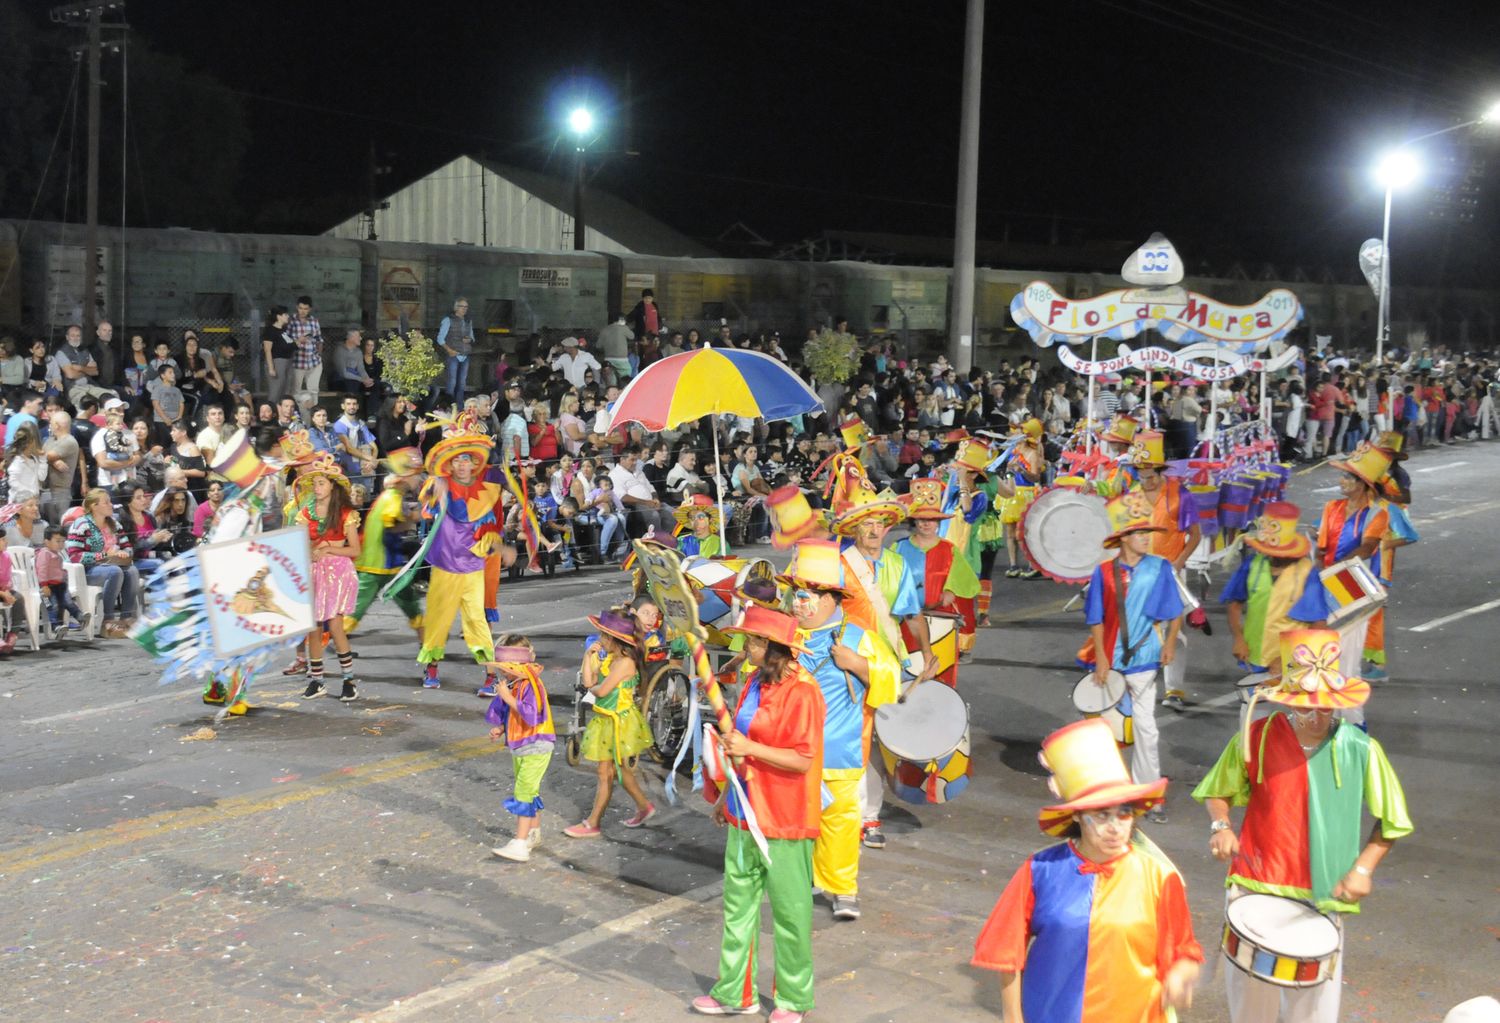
(1281, 941)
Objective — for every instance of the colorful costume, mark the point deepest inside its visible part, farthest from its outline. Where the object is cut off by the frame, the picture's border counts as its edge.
(617, 730)
(529, 735)
(935, 570)
(1275, 603)
(989, 535)
(1341, 532)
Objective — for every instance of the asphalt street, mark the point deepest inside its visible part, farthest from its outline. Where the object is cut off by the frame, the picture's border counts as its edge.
(318, 861)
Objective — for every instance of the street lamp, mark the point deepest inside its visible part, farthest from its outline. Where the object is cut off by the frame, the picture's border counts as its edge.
(1398, 168)
(580, 123)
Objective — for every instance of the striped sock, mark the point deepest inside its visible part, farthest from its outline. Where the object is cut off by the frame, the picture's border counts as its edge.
(315, 670)
(346, 661)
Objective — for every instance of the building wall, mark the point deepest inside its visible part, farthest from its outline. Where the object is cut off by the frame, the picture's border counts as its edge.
(450, 207)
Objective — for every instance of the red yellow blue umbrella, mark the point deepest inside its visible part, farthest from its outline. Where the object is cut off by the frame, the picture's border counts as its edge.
(713, 381)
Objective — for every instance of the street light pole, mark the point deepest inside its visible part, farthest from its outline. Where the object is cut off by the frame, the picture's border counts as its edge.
(578, 227)
(1383, 306)
(961, 327)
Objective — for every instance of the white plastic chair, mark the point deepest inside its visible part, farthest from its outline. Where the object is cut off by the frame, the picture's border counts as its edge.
(88, 597)
(24, 585)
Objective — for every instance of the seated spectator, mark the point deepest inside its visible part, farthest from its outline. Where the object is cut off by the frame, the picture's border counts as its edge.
(151, 465)
(203, 518)
(184, 454)
(542, 435)
(643, 510)
(8, 600)
(603, 508)
(23, 523)
(175, 517)
(94, 542)
(52, 577)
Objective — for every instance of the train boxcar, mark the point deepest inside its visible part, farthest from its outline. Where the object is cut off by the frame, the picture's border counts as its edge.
(747, 295)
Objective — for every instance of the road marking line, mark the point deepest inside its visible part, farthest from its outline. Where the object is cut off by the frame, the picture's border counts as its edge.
(110, 708)
(1445, 465)
(1439, 622)
(1217, 701)
(39, 854)
(564, 952)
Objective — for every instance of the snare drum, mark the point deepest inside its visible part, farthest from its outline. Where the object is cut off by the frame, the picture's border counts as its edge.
(942, 636)
(924, 740)
(1354, 588)
(1280, 941)
(1091, 699)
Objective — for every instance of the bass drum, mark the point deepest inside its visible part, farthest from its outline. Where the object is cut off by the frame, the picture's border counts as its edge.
(1063, 534)
(924, 740)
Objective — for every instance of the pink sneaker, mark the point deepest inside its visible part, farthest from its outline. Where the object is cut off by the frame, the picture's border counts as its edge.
(785, 1016)
(708, 1005)
(583, 829)
(641, 818)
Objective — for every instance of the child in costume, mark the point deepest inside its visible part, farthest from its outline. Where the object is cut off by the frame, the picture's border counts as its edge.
(1274, 589)
(325, 511)
(1096, 928)
(521, 717)
(1354, 526)
(617, 731)
(1028, 470)
(945, 580)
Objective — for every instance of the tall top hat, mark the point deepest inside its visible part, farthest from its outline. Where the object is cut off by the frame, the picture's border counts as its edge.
(1276, 532)
(1129, 512)
(854, 500)
(925, 500)
(792, 518)
(854, 432)
(1148, 449)
(817, 565)
(1310, 676)
(1121, 430)
(1366, 463)
(1088, 774)
(973, 455)
(1392, 442)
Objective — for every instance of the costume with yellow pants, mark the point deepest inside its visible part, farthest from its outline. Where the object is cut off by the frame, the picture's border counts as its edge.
(845, 698)
(467, 535)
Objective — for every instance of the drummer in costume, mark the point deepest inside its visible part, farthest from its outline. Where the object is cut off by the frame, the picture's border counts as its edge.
(946, 583)
(1303, 779)
(698, 528)
(1396, 492)
(987, 532)
(1274, 589)
(1173, 510)
(1134, 611)
(778, 736)
(1354, 526)
(467, 535)
(1028, 470)
(855, 669)
(380, 557)
(1097, 927)
(967, 503)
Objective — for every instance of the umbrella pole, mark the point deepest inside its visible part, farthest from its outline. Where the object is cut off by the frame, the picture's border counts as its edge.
(719, 486)
(1088, 413)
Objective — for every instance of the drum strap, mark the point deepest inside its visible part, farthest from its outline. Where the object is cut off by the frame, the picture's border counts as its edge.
(1121, 585)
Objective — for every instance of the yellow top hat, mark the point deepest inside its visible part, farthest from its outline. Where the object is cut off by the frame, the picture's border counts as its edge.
(1129, 512)
(860, 504)
(404, 462)
(925, 500)
(973, 455)
(1148, 449)
(855, 433)
(817, 564)
(1276, 532)
(1121, 430)
(698, 504)
(1089, 774)
(1368, 463)
(1391, 442)
(1310, 676)
(1033, 428)
(792, 518)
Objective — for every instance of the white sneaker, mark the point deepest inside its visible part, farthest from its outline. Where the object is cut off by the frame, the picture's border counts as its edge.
(517, 849)
(534, 839)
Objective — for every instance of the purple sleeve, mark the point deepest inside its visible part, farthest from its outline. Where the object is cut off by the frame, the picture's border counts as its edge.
(530, 711)
(1187, 510)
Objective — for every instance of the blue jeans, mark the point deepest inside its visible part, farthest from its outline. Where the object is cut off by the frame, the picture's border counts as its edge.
(456, 377)
(113, 579)
(612, 523)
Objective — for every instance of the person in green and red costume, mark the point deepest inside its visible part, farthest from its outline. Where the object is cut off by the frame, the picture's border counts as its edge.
(1303, 778)
(944, 578)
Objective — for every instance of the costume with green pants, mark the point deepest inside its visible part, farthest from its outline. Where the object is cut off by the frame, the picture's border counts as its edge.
(788, 882)
(369, 587)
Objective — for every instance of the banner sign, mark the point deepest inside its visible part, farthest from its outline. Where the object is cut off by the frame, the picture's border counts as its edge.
(258, 589)
(546, 277)
(1161, 358)
(1180, 316)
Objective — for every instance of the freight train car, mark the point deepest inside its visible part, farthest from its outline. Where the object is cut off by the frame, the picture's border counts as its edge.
(747, 295)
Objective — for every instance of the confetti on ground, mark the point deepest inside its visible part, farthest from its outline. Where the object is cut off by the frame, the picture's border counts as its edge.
(200, 735)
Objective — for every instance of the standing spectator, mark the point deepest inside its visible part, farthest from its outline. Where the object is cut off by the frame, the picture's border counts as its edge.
(114, 449)
(166, 403)
(374, 369)
(77, 368)
(184, 454)
(614, 345)
(574, 363)
(278, 349)
(62, 454)
(349, 368)
(1323, 409)
(515, 439)
(645, 318)
(94, 543)
(1185, 413)
(307, 361)
(456, 339)
(25, 464)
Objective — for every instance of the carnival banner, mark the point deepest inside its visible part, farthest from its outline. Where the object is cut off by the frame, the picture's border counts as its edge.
(1181, 316)
(258, 590)
(1180, 362)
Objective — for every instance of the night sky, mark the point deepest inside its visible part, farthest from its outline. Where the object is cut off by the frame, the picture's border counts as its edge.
(1242, 130)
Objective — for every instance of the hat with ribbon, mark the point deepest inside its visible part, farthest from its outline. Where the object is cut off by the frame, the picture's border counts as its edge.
(324, 466)
(461, 436)
(1129, 512)
(925, 500)
(974, 455)
(775, 626)
(1148, 449)
(1366, 463)
(612, 623)
(698, 504)
(1089, 774)
(1121, 430)
(1276, 533)
(1310, 677)
(296, 446)
(792, 518)
(817, 565)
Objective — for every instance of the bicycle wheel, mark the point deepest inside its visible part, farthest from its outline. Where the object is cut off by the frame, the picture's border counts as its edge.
(665, 705)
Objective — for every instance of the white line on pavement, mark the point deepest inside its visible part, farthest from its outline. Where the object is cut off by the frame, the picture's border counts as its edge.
(1439, 622)
(1218, 701)
(1439, 468)
(110, 708)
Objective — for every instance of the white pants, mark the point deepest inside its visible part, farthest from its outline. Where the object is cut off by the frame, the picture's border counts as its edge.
(872, 787)
(306, 380)
(1145, 762)
(1252, 1000)
(1174, 675)
(1487, 415)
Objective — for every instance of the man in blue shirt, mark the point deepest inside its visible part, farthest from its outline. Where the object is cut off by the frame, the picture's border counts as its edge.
(1134, 611)
(356, 442)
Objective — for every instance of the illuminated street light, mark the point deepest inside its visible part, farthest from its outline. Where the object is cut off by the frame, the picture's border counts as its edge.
(1492, 114)
(1397, 169)
(580, 121)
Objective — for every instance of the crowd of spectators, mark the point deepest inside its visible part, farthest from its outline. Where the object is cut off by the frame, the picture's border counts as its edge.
(121, 463)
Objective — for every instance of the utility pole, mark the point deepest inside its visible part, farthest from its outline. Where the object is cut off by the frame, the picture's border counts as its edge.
(961, 322)
(578, 198)
(373, 203)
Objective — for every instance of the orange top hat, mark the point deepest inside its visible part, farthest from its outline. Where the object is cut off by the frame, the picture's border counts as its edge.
(817, 565)
(685, 513)
(925, 500)
(776, 626)
(404, 462)
(1088, 774)
(1391, 442)
(1370, 464)
(296, 446)
(856, 435)
(461, 436)
(1033, 428)
(955, 436)
(792, 518)
(973, 455)
(856, 503)
(1129, 512)
(1276, 532)
(324, 466)
(1121, 430)
(1310, 676)
(1148, 449)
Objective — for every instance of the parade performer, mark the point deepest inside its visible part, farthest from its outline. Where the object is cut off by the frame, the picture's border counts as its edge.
(1172, 509)
(332, 523)
(1302, 778)
(966, 503)
(1274, 589)
(616, 731)
(1396, 493)
(945, 580)
(1096, 928)
(1028, 470)
(778, 733)
(521, 718)
(883, 599)
(987, 533)
(854, 669)
(1353, 526)
(380, 557)
(464, 534)
(1112, 476)
(698, 528)
(1134, 611)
